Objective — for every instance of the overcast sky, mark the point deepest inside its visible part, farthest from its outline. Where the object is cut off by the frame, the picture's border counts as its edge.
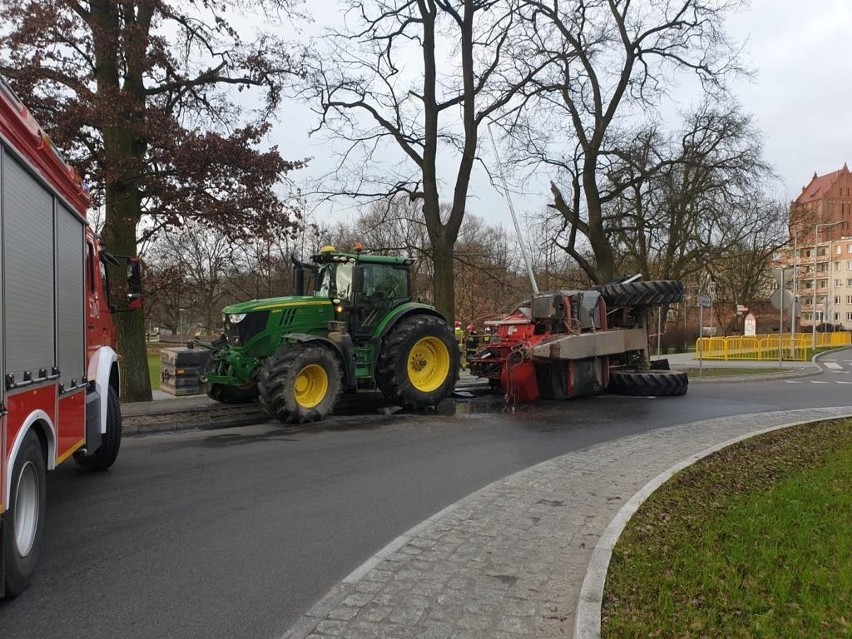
(801, 97)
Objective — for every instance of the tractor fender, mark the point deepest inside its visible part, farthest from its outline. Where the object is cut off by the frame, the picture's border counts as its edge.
(401, 312)
(340, 344)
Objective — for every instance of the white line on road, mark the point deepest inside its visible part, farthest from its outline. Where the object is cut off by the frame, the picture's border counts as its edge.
(814, 382)
(844, 382)
(793, 381)
(832, 365)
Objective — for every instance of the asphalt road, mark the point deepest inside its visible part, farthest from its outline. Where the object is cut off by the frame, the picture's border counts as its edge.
(235, 532)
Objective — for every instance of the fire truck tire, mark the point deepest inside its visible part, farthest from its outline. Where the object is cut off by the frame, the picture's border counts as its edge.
(107, 452)
(653, 383)
(24, 522)
(418, 362)
(232, 394)
(300, 384)
(650, 293)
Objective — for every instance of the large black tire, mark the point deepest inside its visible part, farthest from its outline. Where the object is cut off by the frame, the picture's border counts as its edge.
(654, 383)
(650, 293)
(300, 384)
(107, 452)
(24, 523)
(418, 362)
(232, 394)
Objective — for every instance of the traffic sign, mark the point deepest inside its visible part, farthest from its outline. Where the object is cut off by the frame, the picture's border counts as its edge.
(704, 301)
(750, 325)
(781, 298)
(783, 275)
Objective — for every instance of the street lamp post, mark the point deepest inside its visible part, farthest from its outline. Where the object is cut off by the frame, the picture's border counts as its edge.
(180, 323)
(816, 248)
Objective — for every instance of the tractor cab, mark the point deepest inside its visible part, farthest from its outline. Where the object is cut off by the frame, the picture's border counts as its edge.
(363, 287)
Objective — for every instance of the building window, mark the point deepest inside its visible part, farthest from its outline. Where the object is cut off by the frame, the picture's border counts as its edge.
(838, 249)
(849, 248)
(849, 299)
(849, 282)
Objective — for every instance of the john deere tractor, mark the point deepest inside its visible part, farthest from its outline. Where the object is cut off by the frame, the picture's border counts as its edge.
(358, 329)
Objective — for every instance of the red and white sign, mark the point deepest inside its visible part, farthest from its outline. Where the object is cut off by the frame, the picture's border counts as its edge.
(750, 325)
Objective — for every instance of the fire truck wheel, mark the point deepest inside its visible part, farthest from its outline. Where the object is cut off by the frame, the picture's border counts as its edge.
(106, 454)
(650, 293)
(418, 362)
(232, 394)
(300, 384)
(25, 518)
(653, 383)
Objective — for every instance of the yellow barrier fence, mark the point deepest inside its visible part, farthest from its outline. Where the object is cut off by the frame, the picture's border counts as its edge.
(765, 347)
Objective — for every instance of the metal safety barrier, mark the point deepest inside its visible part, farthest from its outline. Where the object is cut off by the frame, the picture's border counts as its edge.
(766, 347)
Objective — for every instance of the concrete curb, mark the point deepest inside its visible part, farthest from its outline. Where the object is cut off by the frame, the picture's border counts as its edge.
(590, 604)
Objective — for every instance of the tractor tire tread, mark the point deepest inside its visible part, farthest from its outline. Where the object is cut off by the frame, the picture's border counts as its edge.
(652, 383)
(647, 293)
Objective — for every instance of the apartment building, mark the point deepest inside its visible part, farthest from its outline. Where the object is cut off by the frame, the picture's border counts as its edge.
(821, 252)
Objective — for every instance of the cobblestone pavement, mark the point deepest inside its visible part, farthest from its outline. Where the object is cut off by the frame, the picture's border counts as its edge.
(508, 561)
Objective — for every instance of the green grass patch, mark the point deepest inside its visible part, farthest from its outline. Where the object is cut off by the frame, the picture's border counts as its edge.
(753, 541)
(154, 368)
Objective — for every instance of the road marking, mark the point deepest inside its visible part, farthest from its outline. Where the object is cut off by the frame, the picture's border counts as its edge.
(843, 382)
(832, 365)
(793, 381)
(815, 382)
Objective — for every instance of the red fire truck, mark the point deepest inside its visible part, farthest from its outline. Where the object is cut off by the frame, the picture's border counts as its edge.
(59, 391)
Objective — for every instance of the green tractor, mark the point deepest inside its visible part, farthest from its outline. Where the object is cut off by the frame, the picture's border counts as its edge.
(359, 329)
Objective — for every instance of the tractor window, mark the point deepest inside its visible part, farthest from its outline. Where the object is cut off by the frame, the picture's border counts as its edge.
(335, 280)
(385, 283)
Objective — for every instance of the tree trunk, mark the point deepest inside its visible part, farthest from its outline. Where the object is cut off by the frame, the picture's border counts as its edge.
(123, 212)
(444, 282)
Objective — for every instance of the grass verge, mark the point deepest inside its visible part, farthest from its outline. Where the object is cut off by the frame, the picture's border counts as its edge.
(753, 541)
(154, 367)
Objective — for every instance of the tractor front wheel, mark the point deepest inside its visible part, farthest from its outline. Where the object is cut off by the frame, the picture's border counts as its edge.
(418, 362)
(300, 384)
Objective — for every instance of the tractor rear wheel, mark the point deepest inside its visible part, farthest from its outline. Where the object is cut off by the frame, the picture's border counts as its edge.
(300, 384)
(653, 383)
(418, 362)
(650, 293)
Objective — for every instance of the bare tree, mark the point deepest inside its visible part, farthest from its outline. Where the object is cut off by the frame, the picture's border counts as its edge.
(135, 94)
(613, 60)
(418, 78)
(691, 197)
(197, 259)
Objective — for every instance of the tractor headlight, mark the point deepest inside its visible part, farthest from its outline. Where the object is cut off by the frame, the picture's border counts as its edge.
(236, 318)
